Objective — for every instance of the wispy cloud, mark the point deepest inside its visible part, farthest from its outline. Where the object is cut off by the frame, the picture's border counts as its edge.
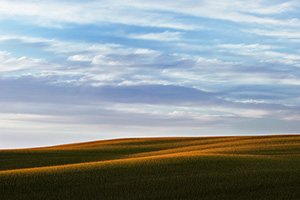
(287, 33)
(246, 46)
(56, 13)
(233, 10)
(164, 36)
(146, 13)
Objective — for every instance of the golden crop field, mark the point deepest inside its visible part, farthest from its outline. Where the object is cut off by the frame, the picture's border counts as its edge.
(248, 167)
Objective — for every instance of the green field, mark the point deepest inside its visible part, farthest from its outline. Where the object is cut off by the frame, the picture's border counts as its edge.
(256, 167)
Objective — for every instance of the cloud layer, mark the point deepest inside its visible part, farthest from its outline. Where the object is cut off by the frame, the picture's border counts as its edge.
(83, 70)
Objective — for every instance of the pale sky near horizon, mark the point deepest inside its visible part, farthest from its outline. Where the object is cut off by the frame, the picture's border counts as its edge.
(77, 70)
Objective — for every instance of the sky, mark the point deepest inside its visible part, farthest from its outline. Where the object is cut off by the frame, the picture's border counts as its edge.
(75, 70)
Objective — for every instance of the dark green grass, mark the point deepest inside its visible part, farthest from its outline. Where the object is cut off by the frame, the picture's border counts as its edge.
(263, 174)
(213, 177)
(33, 158)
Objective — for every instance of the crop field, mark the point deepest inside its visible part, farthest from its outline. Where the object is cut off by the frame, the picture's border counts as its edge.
(248, 167)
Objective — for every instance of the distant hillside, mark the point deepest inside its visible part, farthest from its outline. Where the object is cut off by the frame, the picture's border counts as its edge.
(260, 167)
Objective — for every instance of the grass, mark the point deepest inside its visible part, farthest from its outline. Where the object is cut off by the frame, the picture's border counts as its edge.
(211, 168)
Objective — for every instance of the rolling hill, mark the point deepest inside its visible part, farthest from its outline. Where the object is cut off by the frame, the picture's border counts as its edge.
(248, 167)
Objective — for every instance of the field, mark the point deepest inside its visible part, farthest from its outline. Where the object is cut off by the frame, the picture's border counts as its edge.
(256, 167)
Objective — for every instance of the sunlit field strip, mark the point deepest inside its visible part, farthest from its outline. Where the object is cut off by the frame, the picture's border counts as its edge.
(227, 146)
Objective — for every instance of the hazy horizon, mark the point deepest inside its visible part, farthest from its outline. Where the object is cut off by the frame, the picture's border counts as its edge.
(76, 70)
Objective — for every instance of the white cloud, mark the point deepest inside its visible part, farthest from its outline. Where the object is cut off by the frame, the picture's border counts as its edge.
(292, 81)
(8, 63)
(259, 53)
(274, 9)
(246, 46)
(80, 58)
(119, 65)
(99, 58)
(146, 13)
(233, 10)
(164, 36)
(50, 13)
(286, 33)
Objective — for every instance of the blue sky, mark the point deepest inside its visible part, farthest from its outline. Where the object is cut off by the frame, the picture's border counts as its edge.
(78, 70)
